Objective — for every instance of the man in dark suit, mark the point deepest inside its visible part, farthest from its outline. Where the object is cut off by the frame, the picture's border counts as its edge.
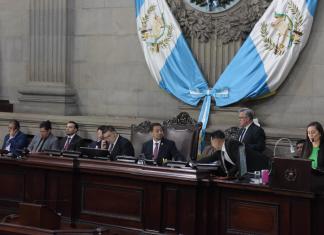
(160, 148)
(250, 134)
(229, 152)
(71, 142)
(15, 141)
(96, 144)
(117, 145)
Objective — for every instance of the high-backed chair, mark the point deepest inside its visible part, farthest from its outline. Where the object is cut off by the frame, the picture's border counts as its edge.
(139, 135)
(184, 131)
(232, 133)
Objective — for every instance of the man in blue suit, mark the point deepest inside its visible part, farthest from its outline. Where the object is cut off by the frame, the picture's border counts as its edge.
(15, 141)
(160, 148)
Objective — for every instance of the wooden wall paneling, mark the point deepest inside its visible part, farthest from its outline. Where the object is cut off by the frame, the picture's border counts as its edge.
(121, 200)
(35, 184)
(152, 206)
(12, 186)
(248, 213)
(213, 210)
(59, 192)
(301, 223)
(187, 209)
(169, 208)
(317, 214)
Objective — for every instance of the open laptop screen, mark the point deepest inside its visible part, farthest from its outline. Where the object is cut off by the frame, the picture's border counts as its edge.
(93, 153)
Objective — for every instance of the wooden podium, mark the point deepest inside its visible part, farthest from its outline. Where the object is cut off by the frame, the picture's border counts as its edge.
(37, 215)
(38, 219)
(295, 174)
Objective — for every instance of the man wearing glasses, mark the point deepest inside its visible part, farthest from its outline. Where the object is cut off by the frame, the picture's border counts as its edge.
(250, 134)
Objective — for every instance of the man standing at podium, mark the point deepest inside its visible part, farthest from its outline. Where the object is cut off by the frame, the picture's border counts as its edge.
(250, 134)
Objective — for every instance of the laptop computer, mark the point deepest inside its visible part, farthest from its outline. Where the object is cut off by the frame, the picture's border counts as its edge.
(92, 153)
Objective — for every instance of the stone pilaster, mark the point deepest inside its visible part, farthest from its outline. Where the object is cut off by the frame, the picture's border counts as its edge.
(48, 88)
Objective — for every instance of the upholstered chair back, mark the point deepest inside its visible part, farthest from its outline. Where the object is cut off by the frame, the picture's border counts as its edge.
(184, 131)
(139, 135)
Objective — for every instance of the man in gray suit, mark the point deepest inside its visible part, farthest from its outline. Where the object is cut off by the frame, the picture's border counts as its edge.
(45, 140)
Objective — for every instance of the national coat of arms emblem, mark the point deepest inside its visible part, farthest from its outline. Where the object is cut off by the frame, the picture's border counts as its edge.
(154, 31)
(288, 27)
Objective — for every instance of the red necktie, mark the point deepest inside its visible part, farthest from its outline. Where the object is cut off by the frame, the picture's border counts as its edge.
(67, 143)
(156, 151)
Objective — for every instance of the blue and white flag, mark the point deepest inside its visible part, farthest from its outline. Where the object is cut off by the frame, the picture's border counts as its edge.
(259, 67)
(269, 53)
(166, 51)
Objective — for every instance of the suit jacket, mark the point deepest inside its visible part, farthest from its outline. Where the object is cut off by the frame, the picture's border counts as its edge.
(49, 143)
(167, 150)
(254, 160)
(320, 154)
(17, 143)
(95, 144)
(254, 138)
(122, 147)
(74, 145)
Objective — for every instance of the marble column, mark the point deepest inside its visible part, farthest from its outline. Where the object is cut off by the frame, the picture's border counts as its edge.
(48, 86)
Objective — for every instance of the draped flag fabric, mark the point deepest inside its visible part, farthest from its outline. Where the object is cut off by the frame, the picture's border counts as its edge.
(259, 67)
(167, 54)
(269, 53)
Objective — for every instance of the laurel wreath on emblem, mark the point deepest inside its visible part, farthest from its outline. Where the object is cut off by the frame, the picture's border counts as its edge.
(290, 174)
(286, 28)
(155, 37)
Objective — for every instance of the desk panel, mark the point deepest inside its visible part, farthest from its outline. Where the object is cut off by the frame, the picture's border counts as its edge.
(154, 200)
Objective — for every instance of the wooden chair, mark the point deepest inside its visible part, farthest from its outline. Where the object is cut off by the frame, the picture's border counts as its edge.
(182, 129)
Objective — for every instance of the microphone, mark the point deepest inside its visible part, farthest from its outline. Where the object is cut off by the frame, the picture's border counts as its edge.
(292, 150)
(312, 140)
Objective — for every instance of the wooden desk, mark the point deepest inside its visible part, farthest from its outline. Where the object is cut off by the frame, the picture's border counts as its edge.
(256, 209)
(155, 199)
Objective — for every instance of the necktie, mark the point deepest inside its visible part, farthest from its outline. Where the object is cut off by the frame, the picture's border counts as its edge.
(224, 162)
(156, 151)
(67, 143)
(8, 143)
(111, 147)
(40, 146)
(242, 135)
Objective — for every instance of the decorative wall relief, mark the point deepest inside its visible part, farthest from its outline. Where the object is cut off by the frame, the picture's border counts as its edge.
(216, 34)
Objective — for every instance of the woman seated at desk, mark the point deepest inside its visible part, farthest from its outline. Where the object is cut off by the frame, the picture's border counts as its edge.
(314, 146)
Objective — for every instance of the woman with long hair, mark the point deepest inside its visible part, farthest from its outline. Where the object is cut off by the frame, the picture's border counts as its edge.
(314, 146)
